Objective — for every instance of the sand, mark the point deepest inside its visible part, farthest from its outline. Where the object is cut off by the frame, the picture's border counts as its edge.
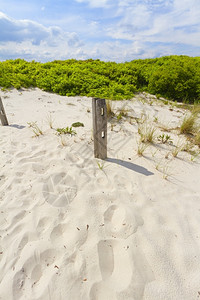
(74, 227)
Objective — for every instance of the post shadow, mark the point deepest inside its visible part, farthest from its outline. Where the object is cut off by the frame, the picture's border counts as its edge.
(130, 166)
(17, 126)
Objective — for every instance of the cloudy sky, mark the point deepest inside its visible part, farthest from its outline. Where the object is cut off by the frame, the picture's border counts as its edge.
(111, 30)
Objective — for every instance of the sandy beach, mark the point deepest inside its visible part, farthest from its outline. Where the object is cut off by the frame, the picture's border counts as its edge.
(73, 227)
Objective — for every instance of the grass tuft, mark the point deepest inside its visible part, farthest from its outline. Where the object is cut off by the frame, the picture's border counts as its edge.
(147, 133)
(141, 148)
(37, 131)
(188, 125)
(110, 112)
(197, 139)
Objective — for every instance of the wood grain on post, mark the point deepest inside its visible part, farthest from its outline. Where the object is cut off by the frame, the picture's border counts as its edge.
(3, 117)
(99, 111)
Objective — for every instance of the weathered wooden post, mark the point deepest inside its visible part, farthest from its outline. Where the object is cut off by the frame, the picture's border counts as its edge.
(3, 117)
(99, 111)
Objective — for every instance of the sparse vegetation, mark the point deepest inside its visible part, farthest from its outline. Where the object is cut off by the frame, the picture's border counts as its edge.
(122, 112)
(197, 139)
(187, 147)
(147, 133)
(120, 115)
(176, 150)
(36, 129)
(188, 124)
(50, 120)
(155, 119)
(110, 112)
(194, 156)
(165, 138)
(164, 169)
(63, 141)
(100, 165)
(67, 130)
(141, 148)
(165, 127)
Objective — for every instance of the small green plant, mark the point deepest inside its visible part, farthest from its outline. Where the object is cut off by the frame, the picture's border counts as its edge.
(37, 131)
(77, 124)
(119, 117)
(67, 130)
(100, 165)
(155, 119)
(165, 138)
(166, 102)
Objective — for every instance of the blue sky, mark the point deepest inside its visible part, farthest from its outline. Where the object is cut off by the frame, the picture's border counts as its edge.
(110, 30)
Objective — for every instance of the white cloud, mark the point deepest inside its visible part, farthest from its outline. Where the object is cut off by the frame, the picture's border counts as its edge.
(125, 30)
(22, 30)
(95, 3)
(158, 21)
(31, 40)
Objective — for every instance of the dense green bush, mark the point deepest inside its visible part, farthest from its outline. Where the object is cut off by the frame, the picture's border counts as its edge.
(176, 78)
(173, 77)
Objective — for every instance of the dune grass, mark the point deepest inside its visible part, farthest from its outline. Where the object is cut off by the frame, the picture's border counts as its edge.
(188, 125)
(147, 133)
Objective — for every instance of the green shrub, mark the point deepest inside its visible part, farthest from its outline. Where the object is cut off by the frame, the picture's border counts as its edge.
(77, 124)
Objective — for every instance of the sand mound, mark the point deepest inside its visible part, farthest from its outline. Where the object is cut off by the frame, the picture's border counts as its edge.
(74, 227)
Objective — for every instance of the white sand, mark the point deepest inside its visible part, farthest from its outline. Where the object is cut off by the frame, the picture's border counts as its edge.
(71, 231)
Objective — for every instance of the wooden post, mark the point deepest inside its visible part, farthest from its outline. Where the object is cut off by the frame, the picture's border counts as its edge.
(3, 117)
(99, 111)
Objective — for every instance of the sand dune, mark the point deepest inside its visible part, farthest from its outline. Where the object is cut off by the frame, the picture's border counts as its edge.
(74, 227)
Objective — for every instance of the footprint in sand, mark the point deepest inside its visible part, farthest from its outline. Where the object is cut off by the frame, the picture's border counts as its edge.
(69, 235)
(113, 273)
(43, 224)
(124, 271)
(122, 264)
(18, 284)
(35, 270)
(59, 189)
(121, 222)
